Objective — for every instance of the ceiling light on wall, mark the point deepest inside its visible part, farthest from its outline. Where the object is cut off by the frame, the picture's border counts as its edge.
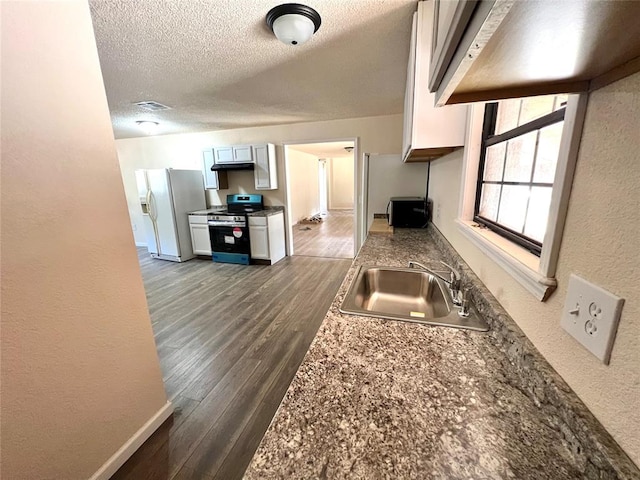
(148, 126)
(293, 23)
(348, 149)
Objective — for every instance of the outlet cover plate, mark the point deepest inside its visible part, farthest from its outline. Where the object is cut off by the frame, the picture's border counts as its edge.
(591, 316)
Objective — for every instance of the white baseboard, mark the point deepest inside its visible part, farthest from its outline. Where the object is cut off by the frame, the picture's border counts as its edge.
(141, 244)
(112, 465)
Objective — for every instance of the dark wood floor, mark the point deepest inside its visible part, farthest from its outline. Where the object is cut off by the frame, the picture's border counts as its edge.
(230, 339)
(333, 238)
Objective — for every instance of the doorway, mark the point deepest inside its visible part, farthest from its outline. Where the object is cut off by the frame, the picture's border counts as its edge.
(321, 198)
(323, 186)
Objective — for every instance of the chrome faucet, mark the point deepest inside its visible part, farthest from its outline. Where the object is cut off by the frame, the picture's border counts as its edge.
(453, 281)
(464, 303)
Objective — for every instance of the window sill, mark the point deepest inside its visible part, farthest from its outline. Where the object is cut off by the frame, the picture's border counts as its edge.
(515, 260)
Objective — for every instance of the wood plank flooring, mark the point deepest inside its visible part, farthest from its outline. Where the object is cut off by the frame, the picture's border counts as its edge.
(230, 339)
(333, 238)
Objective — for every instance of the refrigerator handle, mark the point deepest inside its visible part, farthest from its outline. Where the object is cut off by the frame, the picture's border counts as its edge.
(152, 206)
(148, 200)
(153, 215)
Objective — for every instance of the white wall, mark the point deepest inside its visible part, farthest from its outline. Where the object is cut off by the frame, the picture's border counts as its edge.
(390, 177)
(376, 135)
(340, 188)
(80, 373)
(600, 243)
(305, 187)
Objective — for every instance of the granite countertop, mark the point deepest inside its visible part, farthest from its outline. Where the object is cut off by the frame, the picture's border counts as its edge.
(261, 213)
(207, 211)
(377, 398)
(267, 212)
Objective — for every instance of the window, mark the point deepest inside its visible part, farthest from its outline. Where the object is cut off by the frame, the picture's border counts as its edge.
(518, 159)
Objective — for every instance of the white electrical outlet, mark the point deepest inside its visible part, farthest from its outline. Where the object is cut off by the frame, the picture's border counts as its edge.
(591, 316)
(438, 211)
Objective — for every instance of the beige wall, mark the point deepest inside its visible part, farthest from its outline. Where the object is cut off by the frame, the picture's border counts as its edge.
(376, 135)
(80, 373)
(390, 177)
(600, 243)
(305, 186)
(340, 189)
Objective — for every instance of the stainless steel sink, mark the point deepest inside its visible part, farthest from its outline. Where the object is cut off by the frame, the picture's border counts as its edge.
(406, 294)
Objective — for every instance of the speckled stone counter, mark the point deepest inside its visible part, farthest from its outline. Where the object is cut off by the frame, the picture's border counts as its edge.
(210, 210)
(385, 399)
(268, 211)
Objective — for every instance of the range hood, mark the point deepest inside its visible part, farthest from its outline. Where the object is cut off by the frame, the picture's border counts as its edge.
(232, 166)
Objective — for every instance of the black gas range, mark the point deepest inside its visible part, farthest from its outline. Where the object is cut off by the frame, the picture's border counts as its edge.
(229, 229)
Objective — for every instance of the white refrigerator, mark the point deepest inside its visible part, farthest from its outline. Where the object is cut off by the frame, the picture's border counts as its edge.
(167, 196)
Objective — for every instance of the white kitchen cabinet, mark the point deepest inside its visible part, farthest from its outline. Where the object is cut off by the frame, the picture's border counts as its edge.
(200, 240)
(266, 236)
(212, 180)
(265, 172)
(450, 18)
(429, 131)
(259, 238)
(233, 154)
(491, 50)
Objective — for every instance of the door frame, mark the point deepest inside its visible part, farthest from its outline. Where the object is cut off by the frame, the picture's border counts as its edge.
(359, 190)
(324, 190)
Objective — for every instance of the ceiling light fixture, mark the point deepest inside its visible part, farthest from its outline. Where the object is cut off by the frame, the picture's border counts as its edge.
(148, 126)
(293, 23)
(349, 149)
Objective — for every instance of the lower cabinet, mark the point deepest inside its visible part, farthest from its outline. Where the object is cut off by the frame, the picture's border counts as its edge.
(200, 240)
(266, 235)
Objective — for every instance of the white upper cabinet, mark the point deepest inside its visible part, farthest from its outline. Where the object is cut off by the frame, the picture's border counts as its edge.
(233, 154)
(212, 180)
(429, 131)
(265, 173)
(263, 156)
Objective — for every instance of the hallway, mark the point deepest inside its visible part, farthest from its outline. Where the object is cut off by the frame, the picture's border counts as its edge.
(333, 238)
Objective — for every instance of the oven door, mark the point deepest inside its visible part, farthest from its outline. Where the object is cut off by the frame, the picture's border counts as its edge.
(230, 242)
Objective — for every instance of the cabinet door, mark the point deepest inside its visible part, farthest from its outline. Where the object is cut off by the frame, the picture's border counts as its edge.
(200, 240)
(242, 153)
(210, 178)
(259, 240)
(409, 92)
(265, 173)
(449, 23)
(277, 249)
(223, 154)
(261, 171)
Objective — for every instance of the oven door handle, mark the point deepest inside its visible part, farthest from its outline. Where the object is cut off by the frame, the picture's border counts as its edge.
(213, 223)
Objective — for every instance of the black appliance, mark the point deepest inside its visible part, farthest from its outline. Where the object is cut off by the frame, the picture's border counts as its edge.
(221, 167)
(229, 229)
(408, 212)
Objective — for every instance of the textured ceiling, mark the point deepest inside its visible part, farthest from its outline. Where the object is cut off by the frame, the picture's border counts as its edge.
(217, 64)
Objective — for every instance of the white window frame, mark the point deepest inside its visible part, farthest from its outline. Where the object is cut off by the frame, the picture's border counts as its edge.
(536, 274)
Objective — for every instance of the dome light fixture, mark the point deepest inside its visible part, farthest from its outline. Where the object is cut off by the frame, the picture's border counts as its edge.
(348, 149)
(293, 23)
(149, 127)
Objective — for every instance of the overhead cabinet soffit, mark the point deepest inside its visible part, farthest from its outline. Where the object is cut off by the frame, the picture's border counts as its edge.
(491, 50)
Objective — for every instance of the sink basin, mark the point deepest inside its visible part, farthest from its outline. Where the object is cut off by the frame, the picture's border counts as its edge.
(406, 294)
